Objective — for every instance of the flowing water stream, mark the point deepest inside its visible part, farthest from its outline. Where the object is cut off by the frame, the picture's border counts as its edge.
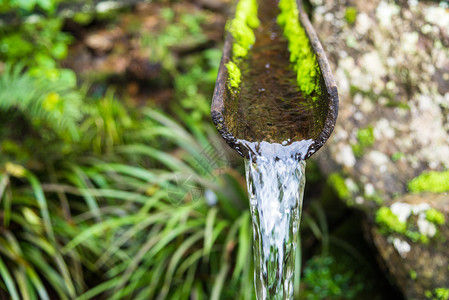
(275, 126)
(275, 188)
(287, 123)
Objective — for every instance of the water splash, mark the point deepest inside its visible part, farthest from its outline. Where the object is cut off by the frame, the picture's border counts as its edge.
(275, 188)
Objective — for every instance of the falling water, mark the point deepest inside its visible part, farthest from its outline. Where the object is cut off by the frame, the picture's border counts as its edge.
(275, 188)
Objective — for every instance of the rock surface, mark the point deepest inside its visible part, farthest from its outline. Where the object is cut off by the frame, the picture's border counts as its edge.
(391, 64)
(421, 268)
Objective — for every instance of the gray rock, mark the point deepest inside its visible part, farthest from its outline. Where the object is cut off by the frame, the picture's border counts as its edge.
(420, 269)
(392, 70)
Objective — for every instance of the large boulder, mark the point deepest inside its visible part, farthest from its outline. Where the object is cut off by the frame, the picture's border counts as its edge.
(391, 142)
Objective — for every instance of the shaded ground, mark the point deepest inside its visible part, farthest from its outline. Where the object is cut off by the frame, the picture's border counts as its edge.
(140, 51)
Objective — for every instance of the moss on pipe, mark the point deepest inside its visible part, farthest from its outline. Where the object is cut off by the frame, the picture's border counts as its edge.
(241, 29)
(234, 74)
(301, 55)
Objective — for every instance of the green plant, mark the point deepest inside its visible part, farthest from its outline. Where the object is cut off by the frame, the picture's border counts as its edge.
(389, 222)
(324, 282)
(436, 182)
(178, 31)
(435, 216)
(183, 234)
(39, 45)
(338, 183)
(337, 269)
(28, 5)
(365, 138)
(45, 102)
(194, 86)
(351, 15)
(125, 214)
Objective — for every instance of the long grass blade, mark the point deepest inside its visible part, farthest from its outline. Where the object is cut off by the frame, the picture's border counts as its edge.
(176, 257)
(9, 282)
(100, 228)
(98, 289)
(219, 282)
(34, 278)
(26, 290)
(42, 202)
(210, 220)
(245, 244)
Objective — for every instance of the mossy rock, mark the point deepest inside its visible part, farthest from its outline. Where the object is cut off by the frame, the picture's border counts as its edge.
(420, 267)
(391, 136)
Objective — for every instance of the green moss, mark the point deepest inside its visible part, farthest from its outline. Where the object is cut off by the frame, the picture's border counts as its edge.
(234, 74)
(365, 137)
(338, 183)
(301, 55)
(241, 29)
(351, 15)
(441, 293)
(436, 182)
(435, 216)
(358, 150)
(413, 274)
(376, 198)
(389, 222)
(397, 156)
(83, 18)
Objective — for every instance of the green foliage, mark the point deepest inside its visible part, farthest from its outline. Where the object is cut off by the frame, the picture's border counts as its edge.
(28, 5)
(181, 31)
(432, 181)
(104, 200)
(194, 86)
(128, 215)
(91, 206)
(413, 275)
(365, 138)
(38, 45)
(106, 124)
(326, 282)
(435, 216)
(397, 156)
(193, 77)
(53, 103)
(358, 150)
(442, 293)
(438, 294)
(301, 54)
(351, 15)
(389, 222)
(338, 183)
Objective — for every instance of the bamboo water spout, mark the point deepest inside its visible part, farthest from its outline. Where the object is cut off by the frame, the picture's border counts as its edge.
(268, 105)
(275, 103)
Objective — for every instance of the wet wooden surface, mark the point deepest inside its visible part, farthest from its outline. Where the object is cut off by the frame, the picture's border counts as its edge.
(256, 115)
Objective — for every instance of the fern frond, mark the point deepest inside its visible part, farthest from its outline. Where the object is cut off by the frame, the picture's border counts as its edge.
(55, 103)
